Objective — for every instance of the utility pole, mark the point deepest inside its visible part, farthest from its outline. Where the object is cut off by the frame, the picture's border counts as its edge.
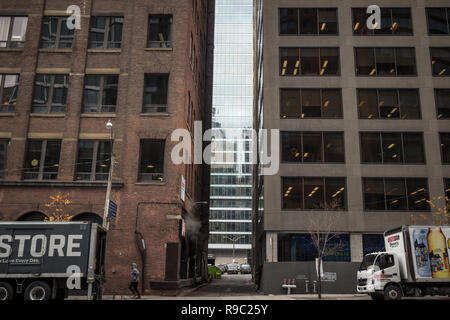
(109, 126)
(234, 240)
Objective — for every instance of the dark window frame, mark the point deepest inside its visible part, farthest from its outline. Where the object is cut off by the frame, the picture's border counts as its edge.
(93, 172)
(105, 44)
(302, 181)
(302, 151)
(373, 33)
(159, 107)
(375, 62)
(101, 108)
(380, 134)
(436, 90)
(447, 69)
(407, 194)
(154, 176)
(41, 172)
(49, 44)
(447, 11)
(11, 106)
(299, 73)
(442, 148)
(4, 155)
(398, 91)
(318, 23)
(321, 92)
(167, 43)
(51, 89)
(9, 42)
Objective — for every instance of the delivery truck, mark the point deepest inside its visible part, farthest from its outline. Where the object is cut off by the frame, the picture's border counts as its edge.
(44, 260)
(415, 263)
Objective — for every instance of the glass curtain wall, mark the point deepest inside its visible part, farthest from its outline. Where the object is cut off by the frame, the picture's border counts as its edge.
(230, 207)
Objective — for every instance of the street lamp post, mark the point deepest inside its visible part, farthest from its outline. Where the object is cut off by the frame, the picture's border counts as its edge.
(109, 126)
(234, 240)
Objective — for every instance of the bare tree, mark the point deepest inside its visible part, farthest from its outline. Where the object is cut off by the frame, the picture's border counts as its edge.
(321, 227)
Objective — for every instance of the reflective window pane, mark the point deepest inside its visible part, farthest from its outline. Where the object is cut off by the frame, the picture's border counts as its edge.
(370, 147)
(155, 93)
(333, 146)
(445, 146)
(391, 144)
(9, 84)
(289, 61)
(309, 58)
(18, 32)
(328, 21)
(151, 166)
(388, 104)
(409, 103)
(443, 103)
(291, 144)
(417, 189)
(159, 31)
(437, 21)
(395, 194)
(290, 103)
(335, 194)
(3, 157)
(365, 61)
(314, 193)
(401, 21)
(292, 193)
(312, 147)
(331, 103)
(329, 61)
(308, 21)
(385, 61)
(406, 61)
(288, 21)
(368, 103)
(5, 23)
(359, 22)
(373, 189)
(386, 22)
(413, 147)
(311, 103)
(440, 61)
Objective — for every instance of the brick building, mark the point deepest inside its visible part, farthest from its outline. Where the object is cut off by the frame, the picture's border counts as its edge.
(142, 65)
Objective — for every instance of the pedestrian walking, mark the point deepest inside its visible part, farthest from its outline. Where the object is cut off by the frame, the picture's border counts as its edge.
(134, 281)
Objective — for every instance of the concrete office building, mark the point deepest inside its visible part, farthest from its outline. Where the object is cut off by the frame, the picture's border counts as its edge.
(144, 66)
(364, 129)
(230, 205)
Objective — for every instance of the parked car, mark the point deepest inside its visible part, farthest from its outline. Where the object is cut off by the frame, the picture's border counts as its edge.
(245, 268)
(233, 268)
(222, 267)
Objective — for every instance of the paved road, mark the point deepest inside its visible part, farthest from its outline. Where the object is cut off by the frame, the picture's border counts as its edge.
(228, 285)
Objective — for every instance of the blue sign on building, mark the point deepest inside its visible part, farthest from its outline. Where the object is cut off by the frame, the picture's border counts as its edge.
(112, 210)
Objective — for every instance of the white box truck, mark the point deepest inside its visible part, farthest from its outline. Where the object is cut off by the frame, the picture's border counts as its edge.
(415, 263)
(43, 260)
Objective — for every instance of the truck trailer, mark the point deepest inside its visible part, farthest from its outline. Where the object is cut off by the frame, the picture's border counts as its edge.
(44, 260)
(415, 263)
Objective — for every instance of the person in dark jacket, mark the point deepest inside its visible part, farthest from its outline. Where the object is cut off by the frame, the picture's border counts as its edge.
(134, 281)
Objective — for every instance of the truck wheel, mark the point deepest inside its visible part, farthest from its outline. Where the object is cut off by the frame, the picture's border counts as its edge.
(6, 291)
(392, 292)
(38, 290)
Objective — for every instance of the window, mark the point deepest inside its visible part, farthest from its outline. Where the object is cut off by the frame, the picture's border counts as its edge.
(442, 103)
(445, 147)
(440, 61)
(12, 32)
(151, 166)
(309, 61)
(299, 247)
(42, 160)
(385, 147)
(94, 159)
(100, 93)
(438, 21)
(447, 190)
(155, 93)
(105, 33)
(388, 103)
(50, 93)
(55, 33)
(394, 194)
(308, 21)
(9, 85)
(385, 61)
(312, 147)
(394, 21)
(372, 243)
(313, 193)
(159, 31)
(3, 156)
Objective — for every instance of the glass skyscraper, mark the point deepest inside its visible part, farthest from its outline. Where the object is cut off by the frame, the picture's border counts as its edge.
(231, 171)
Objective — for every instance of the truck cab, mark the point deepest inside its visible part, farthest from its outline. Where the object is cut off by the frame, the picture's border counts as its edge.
(379, 276)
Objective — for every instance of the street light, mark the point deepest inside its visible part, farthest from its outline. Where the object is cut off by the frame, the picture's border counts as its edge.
(234, 240)
(109, 126)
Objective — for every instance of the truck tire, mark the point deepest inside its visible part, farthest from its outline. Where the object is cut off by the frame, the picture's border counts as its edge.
(38, 290)
(6, 291)
(392, 292)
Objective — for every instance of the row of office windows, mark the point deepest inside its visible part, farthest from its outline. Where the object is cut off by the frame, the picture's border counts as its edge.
(42, 160)
(296, 103)
(104, 33)
(230, 215)
(300, 247)
(99, 95)
(394, 21)
(230, 226)
(369, 61)
(230, 239)
(379, 194)
(376, 147)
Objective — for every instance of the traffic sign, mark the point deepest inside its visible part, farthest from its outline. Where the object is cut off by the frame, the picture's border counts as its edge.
(112, 210)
